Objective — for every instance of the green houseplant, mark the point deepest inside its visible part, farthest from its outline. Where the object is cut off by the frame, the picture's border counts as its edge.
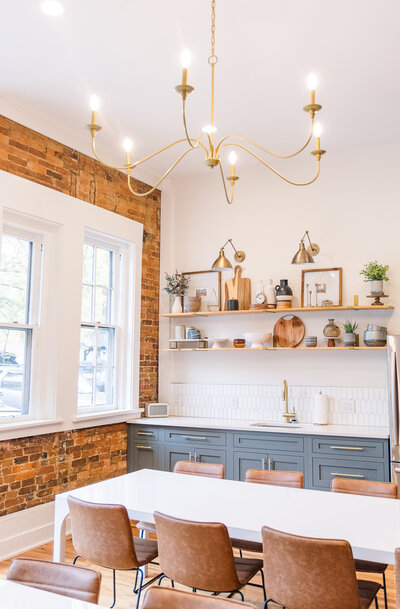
(349, 335)
(375, 274)
(176, 286)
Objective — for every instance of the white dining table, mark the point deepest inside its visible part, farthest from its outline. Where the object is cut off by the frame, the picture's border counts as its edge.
(370, 524)
(15, 596)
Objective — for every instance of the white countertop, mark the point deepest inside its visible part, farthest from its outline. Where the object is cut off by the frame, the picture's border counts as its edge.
(370, 524)
(350, 431)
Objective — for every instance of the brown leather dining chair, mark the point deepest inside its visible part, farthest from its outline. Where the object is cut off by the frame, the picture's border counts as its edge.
(274, 478)
(306, 572)
(199, 555)
(102, 534)
(67, 580)
(192, 468)
(165, 598)
(374, 489)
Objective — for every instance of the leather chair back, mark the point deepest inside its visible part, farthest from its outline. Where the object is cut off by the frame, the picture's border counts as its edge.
(397, 577)
(364, 487)
(304, 572)
(210, 470)
(67, 580)
(166, 598)
(196, 554)
(102, 534)
(275, 477)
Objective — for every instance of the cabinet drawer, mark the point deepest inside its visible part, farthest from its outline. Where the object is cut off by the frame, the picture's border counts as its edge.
(353, 447)
(324, 470)
(196, 437)
(142, 432)
(269, 441)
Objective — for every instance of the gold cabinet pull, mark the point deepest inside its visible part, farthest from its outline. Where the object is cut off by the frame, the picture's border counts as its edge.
(347, 475)
(269, 463)
(263, 463)
(190, 456)
(144, 433)
(347, 447)
(194, 437)
(145, 447)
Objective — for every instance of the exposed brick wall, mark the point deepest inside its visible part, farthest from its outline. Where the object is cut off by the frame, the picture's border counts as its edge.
(33, 469)
(36, 478)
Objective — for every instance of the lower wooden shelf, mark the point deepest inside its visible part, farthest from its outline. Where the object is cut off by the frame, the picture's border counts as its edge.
(285, 349)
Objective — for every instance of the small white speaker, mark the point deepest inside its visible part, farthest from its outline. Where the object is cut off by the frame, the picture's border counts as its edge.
(153, 409)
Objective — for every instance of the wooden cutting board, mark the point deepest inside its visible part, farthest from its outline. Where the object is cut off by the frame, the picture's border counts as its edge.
(289, 331)
(238, 288)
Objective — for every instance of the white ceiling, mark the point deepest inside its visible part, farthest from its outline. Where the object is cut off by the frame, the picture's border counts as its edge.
(127, 51)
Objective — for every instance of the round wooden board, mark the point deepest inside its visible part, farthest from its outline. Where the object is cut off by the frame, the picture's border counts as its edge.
(289, 332)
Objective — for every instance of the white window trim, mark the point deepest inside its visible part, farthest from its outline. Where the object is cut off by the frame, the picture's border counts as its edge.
(67, 219)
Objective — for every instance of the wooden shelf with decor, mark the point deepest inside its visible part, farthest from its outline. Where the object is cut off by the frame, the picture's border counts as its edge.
(281, 311)
(341, 348)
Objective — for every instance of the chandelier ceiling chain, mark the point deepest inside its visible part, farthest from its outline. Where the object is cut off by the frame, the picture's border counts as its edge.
(212, 151)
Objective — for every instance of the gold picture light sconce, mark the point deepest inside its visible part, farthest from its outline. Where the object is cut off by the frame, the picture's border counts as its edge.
(303, 255)
(222, 263)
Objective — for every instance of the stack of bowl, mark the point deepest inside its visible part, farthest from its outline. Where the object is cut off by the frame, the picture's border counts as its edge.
(311, 341)
(192, 334)
(375, 336)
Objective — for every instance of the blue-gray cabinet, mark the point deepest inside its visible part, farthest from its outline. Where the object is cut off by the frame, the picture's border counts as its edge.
(320, 458)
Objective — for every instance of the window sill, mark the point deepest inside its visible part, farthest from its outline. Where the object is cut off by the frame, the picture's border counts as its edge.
(107, 414)
(11, 431)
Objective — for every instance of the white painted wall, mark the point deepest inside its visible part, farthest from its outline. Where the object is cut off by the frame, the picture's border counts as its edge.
(352, 211)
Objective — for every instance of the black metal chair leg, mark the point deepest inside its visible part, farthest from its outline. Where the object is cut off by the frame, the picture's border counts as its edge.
(141, 534)
(172, 583)
(269, 600)
(240, 553)
(263, 584)
(236, 592)
(114, 591)
(193, 589)
(76, 558)
(135, 584)
(376, 603)
(160, 579)
(384, 590)
(140, 573)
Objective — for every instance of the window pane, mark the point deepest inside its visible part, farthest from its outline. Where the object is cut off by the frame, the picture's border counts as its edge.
(103, 267)
(15, 279)
(88, 263)
(102, 306)
(88, 337)
(104, 386)
(85, 386)
(14, 371)
(86, 313)
(105, 347)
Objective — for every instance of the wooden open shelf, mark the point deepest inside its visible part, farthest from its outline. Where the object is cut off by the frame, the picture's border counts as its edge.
(285, 349)
(279, 311)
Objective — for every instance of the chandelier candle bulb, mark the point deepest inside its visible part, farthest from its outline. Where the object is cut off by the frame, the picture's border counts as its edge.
(127, 145)
(312, 84)
(94, 106)
(185, 62)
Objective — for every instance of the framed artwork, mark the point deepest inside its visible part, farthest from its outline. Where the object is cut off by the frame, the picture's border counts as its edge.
(202, 285)
(321, 287)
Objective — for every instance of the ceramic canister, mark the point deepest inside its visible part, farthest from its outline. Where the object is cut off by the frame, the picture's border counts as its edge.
(179, 332)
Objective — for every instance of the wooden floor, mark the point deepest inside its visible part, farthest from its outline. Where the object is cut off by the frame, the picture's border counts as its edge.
(125, 598)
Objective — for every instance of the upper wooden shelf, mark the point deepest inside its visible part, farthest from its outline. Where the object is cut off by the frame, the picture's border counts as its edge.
(281, 311)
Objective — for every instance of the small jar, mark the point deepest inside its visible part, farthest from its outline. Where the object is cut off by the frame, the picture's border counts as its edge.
(331, 331)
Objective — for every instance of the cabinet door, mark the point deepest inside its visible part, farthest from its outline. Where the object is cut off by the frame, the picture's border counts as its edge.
(176, 452)
(242, 461)
(210, 455)
(144, 456)
(286, 463)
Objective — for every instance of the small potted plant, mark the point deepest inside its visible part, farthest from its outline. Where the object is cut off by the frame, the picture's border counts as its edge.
(375, 274)
(349, 335)
(177, 285)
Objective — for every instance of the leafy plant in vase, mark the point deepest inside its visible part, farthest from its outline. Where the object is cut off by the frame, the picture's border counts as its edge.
(375, 275)
(177, 286)
(349, 335)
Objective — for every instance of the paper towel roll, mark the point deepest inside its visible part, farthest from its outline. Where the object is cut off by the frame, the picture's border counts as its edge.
(321, 410)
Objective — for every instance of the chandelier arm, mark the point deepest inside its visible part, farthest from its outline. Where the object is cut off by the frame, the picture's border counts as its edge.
(275, 171)
(149, 156)
(229, 200)
(278, 156)
(166, 174)
(184, 123)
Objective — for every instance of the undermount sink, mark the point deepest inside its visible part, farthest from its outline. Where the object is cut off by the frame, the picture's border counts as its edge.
(280, 425)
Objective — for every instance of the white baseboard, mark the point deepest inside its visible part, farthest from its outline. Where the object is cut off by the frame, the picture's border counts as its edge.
(26, 529)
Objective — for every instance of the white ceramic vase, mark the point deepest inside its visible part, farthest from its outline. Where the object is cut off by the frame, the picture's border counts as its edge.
(270, 293)
(177, 305)
(376, 287)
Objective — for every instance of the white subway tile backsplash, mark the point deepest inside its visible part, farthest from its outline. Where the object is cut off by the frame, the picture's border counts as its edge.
(363, 406)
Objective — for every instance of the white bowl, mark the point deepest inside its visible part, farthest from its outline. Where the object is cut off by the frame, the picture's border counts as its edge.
(219, 342)
(256, 339)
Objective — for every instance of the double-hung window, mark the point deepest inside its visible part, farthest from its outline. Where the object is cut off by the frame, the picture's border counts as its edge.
(20, 271)
(99, 343)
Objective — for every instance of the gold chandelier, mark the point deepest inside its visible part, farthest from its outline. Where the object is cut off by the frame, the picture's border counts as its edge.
(211, 149)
